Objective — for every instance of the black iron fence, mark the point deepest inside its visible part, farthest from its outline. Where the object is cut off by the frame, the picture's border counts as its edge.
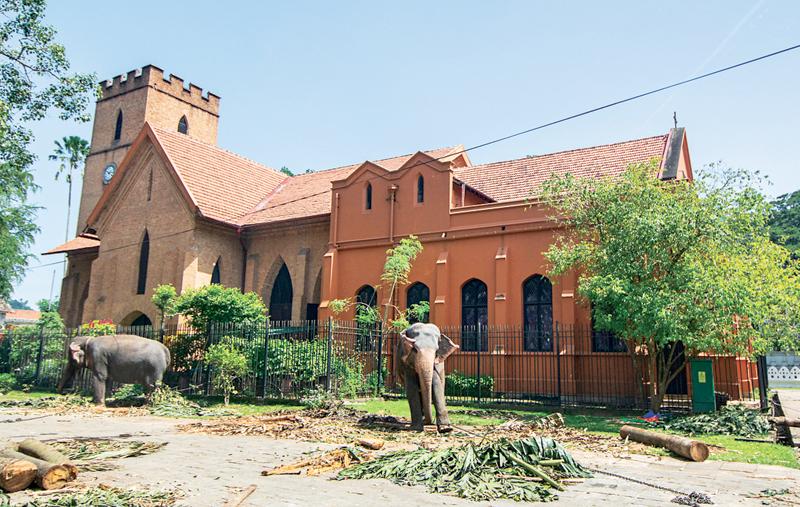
(565, 366)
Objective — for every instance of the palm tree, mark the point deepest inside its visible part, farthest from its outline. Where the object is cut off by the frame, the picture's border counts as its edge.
(71, 152)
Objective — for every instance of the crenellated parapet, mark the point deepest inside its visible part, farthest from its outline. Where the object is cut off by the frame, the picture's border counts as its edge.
(153, 77)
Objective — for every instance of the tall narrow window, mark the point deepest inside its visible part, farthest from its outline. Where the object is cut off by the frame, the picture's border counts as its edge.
(365, 332)
(118, 128)
(215, 276)
(420, 189)
(537, 300)
(474, 315)
(606, 341)
(150, 185)
(416, 294)
(144, 254)
(368, 197)
(280, 300)
(183, 125)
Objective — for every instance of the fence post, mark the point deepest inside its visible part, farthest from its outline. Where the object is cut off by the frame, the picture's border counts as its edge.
(266, 360)
(763, 382)
(480, 346)
(330, 352)
(557, 346)
(207, 367)
(39, 354)
(380, 358)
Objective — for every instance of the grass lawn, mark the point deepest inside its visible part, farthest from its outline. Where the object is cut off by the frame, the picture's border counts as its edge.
(247, 407)
(22, 395)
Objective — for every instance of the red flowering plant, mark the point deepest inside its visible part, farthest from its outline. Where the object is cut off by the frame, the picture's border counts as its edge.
(98, 328)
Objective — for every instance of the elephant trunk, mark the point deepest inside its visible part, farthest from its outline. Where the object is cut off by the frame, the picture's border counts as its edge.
(424, 367)
(66, 376)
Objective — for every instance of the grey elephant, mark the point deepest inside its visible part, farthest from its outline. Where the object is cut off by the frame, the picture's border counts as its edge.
(419, 364)
(122, 358)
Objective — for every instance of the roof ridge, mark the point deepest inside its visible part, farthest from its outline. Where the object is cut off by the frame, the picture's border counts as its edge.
(159, 130)
(375, 161)
(528, 157)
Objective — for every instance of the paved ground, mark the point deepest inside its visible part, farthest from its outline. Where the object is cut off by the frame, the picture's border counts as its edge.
(211, 469)
(790, 403)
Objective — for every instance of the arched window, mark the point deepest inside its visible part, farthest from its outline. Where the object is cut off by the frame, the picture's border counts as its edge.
(417, 293)
(365, 332)
(215, 275)
(606, 341)
(280, 300)
(144, 254)
(150, 185)
(420, 189)
(537, 300)
(183, 125)
(118, 128)
(474, 315)
(368, 197)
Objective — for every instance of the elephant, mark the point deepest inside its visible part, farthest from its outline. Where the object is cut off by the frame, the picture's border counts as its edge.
(419, 364)
(127, 359)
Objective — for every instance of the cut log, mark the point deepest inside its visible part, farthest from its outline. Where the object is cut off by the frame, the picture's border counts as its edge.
(682, 446)
(48, 475)
(46, 452)
(785, 421)
(16, 474)
(371, 443)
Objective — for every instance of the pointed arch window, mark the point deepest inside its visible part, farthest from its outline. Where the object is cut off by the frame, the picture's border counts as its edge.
(215, 274)
(606, 341)
(280, 300)
(474, 315)
(420, 189)
(144, 254)
(417, 293)
(365, 332)
(537, 300)
(183, 125)
(368, 197)
(118, 127)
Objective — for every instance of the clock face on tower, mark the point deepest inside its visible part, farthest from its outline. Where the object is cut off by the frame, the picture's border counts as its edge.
(108, 173)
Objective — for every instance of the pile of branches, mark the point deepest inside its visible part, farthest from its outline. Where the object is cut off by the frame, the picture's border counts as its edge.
(735, 420)
(522, 470)
(56, 403)
(95, 454)
(168, 402)
(104, 496)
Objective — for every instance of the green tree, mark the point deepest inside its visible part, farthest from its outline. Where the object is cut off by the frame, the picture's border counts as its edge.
(228, 364)
(288, 172)
(664, 262)
(217, 304)
(164, 297)
(19, 304)
(785, 222)
(46, 305)
(34, 79)
(70, 152)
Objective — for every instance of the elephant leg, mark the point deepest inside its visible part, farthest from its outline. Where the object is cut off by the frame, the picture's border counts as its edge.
(414, 400)
(99, 388)
(442, 419)
(109, 386)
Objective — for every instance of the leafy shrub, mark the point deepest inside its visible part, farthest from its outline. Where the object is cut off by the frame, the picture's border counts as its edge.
(98, 328)
(186, 350)
(459, 384)
(220, 305)
(7, 382)
(229, 364)
(23, 345)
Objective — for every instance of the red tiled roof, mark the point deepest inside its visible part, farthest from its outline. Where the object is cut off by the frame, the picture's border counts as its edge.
(307, 195)
(82, 242)
(223, 185)
(517, 179)
(23, 316)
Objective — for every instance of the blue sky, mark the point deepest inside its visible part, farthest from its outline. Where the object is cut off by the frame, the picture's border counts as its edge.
(313, 85)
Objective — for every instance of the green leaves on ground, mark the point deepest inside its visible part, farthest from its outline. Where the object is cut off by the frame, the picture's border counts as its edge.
(729, 420)
(502, 469)
(104, 496)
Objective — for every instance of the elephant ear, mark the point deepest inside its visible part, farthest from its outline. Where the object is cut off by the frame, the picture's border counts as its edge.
(446, 347)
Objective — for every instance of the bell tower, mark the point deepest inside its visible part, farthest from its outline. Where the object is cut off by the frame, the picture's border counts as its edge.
(127, 102)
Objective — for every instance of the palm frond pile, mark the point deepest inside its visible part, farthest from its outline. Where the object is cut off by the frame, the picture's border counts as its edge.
(522, 470)
(729, 420)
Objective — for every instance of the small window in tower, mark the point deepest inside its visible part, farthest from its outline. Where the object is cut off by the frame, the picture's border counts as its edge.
(215, 274)
(118, 128)
(368, 197)
(144, 254)
(183, 125)
(420, 189)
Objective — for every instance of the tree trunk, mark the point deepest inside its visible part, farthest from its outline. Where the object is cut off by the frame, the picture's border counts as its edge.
(40, 450)
(48, 475)
(690, 449)
(16, 474)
